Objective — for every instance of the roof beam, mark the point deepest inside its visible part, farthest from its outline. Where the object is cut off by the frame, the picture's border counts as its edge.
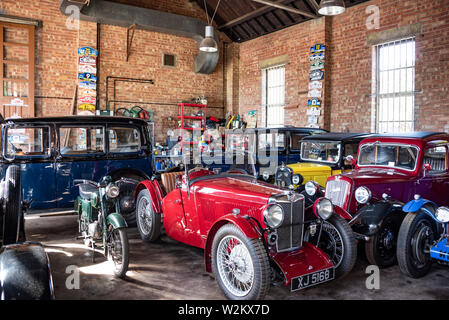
(314, 5)
(251, 15)
(286, 8)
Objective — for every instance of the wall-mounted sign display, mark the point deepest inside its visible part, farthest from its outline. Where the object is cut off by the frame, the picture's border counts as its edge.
(318, 48)
(316, 75)
(87, 70)
(315, 93)
(312, 120)
(317, 65)
(315, 85)
(16, 102)
(317, 56)
(314, 103)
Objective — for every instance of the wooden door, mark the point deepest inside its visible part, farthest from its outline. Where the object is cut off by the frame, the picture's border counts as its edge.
(17, 76)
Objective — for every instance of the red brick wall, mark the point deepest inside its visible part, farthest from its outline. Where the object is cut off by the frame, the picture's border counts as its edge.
(349, 64)
(294, 41)
(56, 62)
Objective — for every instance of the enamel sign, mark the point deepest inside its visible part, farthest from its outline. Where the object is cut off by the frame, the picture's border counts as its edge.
(82, 68)
(314, 103)
(87, 85)
(316, 75)
(318, 48)
(89, 100)
(86, 107)
(315, 85)
(315, 93)
(314, 111)
(317, 56)
(87, 51)
(317, 65)
(87, 77)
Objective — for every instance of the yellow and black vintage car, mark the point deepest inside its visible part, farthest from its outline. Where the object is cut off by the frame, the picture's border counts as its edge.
(321, 156)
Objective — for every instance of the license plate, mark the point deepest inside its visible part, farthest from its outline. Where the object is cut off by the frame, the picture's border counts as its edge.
(312, 279)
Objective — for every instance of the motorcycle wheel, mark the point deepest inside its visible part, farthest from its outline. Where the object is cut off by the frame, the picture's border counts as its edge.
(338, 242)
(12, 207)
(416, 236)
(118, 251)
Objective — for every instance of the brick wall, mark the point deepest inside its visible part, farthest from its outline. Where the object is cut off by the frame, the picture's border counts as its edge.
(349, 63)
(56, 62)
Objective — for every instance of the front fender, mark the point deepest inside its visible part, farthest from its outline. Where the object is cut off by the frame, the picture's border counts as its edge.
(368, 219)
(25, 272)
(416, 205)
(116, 220)
(246, 227)
(156, 195)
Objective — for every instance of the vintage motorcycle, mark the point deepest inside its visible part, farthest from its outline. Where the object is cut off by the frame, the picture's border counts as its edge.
(99, 220)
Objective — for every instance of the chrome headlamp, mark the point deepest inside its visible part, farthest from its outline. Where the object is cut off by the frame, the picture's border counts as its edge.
(273, 215)
(112, 190)
(266, 175)
(442, 214)
(296, 179)
(323, 208)
(312, 188)
(362, 195)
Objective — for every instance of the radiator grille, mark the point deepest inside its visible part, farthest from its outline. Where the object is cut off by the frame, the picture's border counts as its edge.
(337, 191)
(290, 233)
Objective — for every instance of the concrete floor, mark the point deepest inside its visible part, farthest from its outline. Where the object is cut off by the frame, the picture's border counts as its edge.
(171, 270)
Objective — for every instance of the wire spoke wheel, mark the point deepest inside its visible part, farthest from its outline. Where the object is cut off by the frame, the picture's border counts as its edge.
(235, 266)
(331, 243)
(118, 250)
(144, 214)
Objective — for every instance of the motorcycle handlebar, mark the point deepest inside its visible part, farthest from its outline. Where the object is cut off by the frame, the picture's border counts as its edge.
(81, 181)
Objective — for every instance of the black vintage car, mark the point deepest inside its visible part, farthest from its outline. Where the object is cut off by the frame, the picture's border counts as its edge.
(321, 156)
(24, 266)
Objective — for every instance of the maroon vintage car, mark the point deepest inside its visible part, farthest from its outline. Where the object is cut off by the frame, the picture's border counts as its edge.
(252, 233)
(390, 171)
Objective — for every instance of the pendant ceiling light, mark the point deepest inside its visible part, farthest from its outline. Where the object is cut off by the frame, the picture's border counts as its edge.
(208, 44)
(331, 7)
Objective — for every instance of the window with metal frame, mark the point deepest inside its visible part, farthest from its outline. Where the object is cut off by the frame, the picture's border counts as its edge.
(396, 86)
(273, 96)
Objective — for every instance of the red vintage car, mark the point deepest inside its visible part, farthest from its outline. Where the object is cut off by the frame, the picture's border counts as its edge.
(252, 233)
(390, 170)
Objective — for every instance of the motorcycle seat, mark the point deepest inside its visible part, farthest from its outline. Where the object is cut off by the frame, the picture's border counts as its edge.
(87, 191)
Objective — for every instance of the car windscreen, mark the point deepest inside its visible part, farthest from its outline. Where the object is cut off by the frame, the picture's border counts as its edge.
(388, 155)
(27, 142)
(321, 151)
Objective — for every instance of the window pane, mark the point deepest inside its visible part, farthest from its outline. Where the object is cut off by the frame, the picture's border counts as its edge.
(75, 141)
(27, 142)
(274, 97)
(123, 140)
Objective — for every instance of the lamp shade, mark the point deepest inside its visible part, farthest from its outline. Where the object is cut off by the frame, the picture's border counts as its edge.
(331, 7)
(208, 44)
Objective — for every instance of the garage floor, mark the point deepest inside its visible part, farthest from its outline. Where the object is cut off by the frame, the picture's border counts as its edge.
(171, 270)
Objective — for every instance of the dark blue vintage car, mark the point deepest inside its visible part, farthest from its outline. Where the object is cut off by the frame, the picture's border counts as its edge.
(54, 151)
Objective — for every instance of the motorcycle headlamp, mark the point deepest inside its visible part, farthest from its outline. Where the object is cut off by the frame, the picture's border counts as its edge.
(312, 188)
(112, 190)
(442, 214)
(362, 195)
(323, 208)
(273, 215)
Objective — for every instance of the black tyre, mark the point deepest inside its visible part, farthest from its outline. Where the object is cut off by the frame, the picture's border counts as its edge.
(12, 205)
(416, 236)
(381, 249)
(338, 242)
(240, 265)
(148, 221)
(118, 251)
